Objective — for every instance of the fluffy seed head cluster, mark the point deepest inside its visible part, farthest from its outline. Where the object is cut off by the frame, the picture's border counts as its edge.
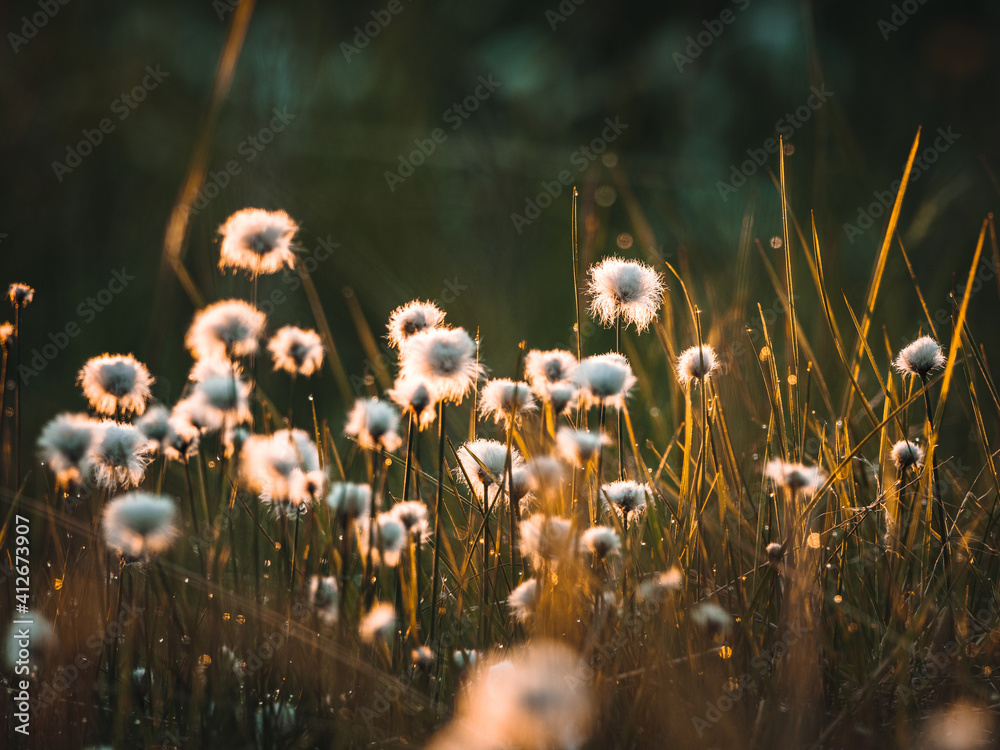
(374, 424)
(119, 455)
(696, 364)
(445, 359)
(626, 498)
(64, 444)
(6, 333)
(796, 477)
(605, 379)
(711, 618)
(283, 470)
(505, 399)
(387, 538)
(523, 600)
(413, 515)
(580, 447)
(775, 553)
(226, 329)
(42, 641)
(920, 358)
(139, 525)
(220, 393)
(546, 477)
(545, 369)
(523, 702)
(155, 424)
(545, 538)
(412, 318)
(115, 383)
(413, 395)
(257, 241)
(182, 438)
(625, 290)
(324, 596)
(906, 455)
(296, 351)
(601, 541)
(654, 587)
(348, 500)
(20, 295)
(378, 623)
(490, 453)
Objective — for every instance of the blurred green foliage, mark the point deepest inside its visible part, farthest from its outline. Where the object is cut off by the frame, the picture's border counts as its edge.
(448, 226)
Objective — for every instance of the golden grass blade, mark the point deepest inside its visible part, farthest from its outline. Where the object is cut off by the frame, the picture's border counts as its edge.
(876, 281)
(789, 284)
(368, 342)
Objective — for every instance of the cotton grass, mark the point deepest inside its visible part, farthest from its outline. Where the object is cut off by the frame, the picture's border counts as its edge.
(140, 526)
(257, 241)
(115, 384)
(625, 291)
(226, 329)
(445, 359)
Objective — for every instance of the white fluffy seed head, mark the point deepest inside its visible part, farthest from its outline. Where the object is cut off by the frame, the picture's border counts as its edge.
(545, 539)
(64, 444)
(655, 586)
(181, 441)
(225, 329)
(542, 369)
(775, 553)
(580, 447)
(20, 295)
(920, 358)
(412, 318)
(562, 396)
(378, 623)
(42, 642)
(696, 364)
(795, 477)
(604, 379)
(296, 351)
(413, 395)
(491, 454)
(906, 455)
(139, 525)
(504, 399)
(445, 359)
(283, 470)
(196, 411)
(626, 498)
(523, 600)
(711, 618)
(119, 455)
(154, 424)
(374, 424)
(529, 697)
(115, 383)
(390, 539)
(6, 333)
(324, 596)
(219, 387)
(601, 541)
(348, 500)
(625, 290)
(257, 241)
(413, 515)
(546, 477)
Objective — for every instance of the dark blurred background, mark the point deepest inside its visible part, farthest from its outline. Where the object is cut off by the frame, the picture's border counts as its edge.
(693, 100)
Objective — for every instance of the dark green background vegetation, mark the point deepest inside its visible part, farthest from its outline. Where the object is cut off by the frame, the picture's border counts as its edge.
(450, 222)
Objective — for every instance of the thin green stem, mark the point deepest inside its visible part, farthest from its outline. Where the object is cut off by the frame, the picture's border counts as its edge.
(438, 525)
